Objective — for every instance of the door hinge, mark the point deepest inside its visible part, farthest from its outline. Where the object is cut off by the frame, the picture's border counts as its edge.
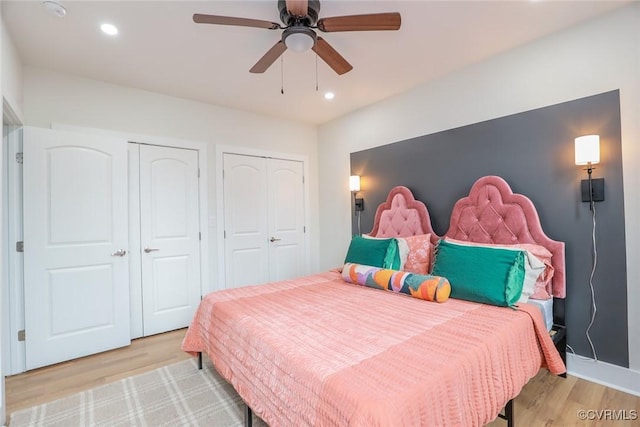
(198, 172)
(21, 335)
(304, 228)
(225, 234)
(199, 235)
(19, 158)
(20, 246)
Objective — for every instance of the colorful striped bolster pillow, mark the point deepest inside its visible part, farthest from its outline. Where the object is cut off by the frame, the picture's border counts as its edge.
(430, 288)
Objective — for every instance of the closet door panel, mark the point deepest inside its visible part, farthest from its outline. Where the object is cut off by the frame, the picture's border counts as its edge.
(169, 236)
(286, 219)
(245, 221)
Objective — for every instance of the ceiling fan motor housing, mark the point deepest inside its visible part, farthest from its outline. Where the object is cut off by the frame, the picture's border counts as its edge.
(313, 11)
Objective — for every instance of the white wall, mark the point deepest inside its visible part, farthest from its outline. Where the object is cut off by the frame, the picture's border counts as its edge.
(595, 57)
(51, 97)
(11, 73)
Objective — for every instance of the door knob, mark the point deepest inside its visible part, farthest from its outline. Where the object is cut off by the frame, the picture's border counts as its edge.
(119, 252)
(147, 250)
(273, 239)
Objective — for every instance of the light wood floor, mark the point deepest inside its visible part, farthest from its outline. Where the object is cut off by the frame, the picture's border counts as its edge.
(546, 400)
(549, 400)
(52, 382)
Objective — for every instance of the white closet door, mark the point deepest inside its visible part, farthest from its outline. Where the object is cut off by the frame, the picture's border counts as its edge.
(169, 235)
(75, 234)
(286, 219)
(245, 216)
(263, 220)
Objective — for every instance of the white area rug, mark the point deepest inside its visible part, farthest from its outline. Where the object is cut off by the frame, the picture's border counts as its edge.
(174, 395)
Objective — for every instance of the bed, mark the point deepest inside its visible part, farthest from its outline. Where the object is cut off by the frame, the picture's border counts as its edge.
(318, 350)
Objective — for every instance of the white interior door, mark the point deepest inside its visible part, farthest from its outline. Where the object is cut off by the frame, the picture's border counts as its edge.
(75, 234)
(263, 219)
(286, 219)
(169, 236)
(245, 220)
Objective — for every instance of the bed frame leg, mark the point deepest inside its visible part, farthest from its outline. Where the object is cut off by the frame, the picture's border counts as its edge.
(508, 414)
(199, 360)
(248, 418)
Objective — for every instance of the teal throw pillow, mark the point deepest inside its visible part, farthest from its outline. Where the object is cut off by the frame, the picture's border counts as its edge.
(481, 274)
(372, 252)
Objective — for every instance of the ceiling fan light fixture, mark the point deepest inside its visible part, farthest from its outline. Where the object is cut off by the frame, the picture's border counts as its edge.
(299, 39)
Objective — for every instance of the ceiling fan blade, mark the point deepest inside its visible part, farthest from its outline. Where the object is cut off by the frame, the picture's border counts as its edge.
(269, 58)
(371, 22)
(331, 56)
(298, 7)
(199, 18)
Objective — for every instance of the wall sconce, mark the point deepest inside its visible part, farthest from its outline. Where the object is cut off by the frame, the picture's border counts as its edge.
(588, 153)
(358, 203)
(354, 187)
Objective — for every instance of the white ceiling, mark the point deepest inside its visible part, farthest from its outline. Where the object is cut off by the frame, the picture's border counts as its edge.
(160, 49)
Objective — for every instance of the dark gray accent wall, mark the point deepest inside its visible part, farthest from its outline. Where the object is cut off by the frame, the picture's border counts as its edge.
(534, 152)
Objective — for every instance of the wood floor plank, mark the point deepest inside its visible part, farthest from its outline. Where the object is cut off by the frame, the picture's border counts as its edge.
(547, 400)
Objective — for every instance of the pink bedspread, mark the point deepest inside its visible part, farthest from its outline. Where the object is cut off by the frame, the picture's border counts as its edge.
(319, 351)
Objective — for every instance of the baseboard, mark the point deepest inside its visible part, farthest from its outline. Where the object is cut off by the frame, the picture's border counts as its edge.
(616, 377)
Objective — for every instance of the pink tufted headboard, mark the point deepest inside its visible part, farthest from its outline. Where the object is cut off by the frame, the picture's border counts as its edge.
(492, 213)
(401, 216)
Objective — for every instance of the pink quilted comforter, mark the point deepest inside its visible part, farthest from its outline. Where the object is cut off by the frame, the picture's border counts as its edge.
(322, 352)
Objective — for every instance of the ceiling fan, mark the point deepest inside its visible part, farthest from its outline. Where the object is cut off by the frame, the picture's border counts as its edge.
(300, 18)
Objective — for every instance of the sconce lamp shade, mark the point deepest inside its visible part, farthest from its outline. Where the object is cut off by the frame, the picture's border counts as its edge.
(588, 149)
(354, 183)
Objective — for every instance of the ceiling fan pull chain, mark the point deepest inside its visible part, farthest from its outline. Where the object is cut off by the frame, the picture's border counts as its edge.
(316, 72)
(282, 75)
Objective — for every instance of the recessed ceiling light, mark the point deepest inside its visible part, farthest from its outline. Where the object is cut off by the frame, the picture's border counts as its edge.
(329, 95)
(55, 8)
(109, 29)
